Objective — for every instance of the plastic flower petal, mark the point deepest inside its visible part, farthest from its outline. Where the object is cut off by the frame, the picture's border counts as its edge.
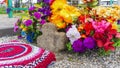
(118, 21)
(108, 46)
(73, 34)
(46, 1)
(100, 39)
(23, 34)
(117, 35)
(89, 42)
(58, 21)
(88, 28)
(37, 15)
(30, 37)
(28, 22)
(32, 8)
(42, 22)
(25, 29)
(78, 46)
(15, 28)
(100, 26)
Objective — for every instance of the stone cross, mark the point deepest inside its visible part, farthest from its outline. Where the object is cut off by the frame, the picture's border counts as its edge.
(51, 39)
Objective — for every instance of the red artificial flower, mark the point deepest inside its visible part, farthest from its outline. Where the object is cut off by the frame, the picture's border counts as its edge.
(87, 1)
(103, 41)
(88, 28)
(51, 1)
(83, 18)
(108, 46)
(110, 32)
(100, 39)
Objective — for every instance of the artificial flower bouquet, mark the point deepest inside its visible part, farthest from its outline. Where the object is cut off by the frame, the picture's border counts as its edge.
(30, 24)
(87, 27)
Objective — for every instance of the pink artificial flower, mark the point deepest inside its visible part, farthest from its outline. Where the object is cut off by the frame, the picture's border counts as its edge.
(100, 26)
(117, 35)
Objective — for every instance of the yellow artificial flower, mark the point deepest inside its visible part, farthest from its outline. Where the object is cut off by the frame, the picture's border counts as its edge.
(58, 21)
(37, 5)
(25, 29)
(114, 26)
(62, 13)
(69, 13)
(80, 27)
(21, 26)
(25, 18)
(57, 5)
(61, 25)
(111, 19)
(66, 16)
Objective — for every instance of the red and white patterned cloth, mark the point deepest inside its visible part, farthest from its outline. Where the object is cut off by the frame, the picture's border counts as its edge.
(21, 55)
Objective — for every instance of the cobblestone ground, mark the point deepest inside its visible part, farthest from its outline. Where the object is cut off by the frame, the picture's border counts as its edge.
(87, 60)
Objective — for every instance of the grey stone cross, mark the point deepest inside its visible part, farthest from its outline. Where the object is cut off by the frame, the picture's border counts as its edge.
(51, 39)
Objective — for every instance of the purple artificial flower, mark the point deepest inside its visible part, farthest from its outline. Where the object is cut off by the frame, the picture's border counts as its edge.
(118, 22)
(42, 22)
(47, 12)
(78, 46)
(15, 28)
(89, 42)
(46, 1)
(43, 17)
(37, 15)
(40, 10)
(28, 22)
(68, 27)
(19, 37)
(31, 8)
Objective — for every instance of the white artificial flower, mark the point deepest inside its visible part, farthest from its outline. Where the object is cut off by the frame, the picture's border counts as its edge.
(73, 34)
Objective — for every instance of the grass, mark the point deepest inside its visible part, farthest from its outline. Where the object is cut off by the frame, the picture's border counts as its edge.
(19, 14)
(2, 10)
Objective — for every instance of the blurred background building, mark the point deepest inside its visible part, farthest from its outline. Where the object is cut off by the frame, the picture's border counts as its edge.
(28, 3)
(101, 2)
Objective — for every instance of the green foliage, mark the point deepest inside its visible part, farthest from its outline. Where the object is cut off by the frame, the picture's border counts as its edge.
(2, 10)
(102, 52)
(117, 42)
(89, 4)
(69, 46)
(118, 28)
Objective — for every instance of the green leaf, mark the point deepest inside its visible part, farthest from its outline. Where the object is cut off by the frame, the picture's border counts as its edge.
(69, 46)
(38, 32)
(118, 28)
(95, 3)
(102, 52)
(82, 5)
(117, 43)
(92, 32)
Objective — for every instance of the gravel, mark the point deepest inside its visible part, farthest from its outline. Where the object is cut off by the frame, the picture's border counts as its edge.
(89, 59)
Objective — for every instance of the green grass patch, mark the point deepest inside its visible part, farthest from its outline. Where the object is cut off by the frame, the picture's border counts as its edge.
(2, 10)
